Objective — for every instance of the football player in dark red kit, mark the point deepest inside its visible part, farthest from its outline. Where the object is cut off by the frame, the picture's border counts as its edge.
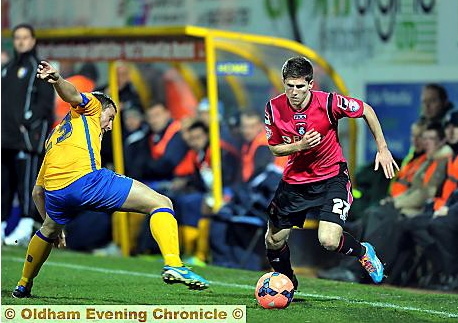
(302, 124)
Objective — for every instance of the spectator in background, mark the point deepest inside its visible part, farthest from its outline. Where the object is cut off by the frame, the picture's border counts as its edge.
(128, 100)
(226, 238)
(430, 174)
(255, 155)
(128, 96)
(411, 162)
(435, 103)
(443, 229)
(135, 140)
(84, 80)
(435, 231)
(165, 145)
(27, 115)
(203, 113)
(194, 206)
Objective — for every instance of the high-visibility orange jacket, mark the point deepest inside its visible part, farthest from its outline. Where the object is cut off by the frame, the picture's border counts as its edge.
(450, 184)
(186, 166)
(404, 179)
(248, 154)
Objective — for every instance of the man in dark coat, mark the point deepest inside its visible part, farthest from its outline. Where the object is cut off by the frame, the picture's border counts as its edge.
(27, 115)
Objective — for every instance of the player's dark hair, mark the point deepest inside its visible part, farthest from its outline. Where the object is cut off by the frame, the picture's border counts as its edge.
(198, 125)
(297, 67)
(26, 26)
(438, 128)
(105, 100)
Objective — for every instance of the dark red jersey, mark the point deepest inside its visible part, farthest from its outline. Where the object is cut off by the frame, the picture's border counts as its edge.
(284, 125)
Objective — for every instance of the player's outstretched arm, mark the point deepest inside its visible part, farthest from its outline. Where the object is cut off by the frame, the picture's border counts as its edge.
(66, 90)
(383, 156)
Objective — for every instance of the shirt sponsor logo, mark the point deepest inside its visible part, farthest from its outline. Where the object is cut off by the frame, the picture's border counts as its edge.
(300, 117)
(288, 140)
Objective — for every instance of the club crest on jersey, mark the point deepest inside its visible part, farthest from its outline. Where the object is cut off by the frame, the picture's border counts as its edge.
(301, 128)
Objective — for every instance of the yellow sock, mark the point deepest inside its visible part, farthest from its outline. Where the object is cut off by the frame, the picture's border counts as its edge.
(38, 251)
(189, 236)
(203, 243)
(164, 229)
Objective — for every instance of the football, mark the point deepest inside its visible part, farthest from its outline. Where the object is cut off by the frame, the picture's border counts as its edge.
(274, 290)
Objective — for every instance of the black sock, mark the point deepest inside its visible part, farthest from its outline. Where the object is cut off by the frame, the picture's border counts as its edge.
(349, 246)
(280, 260)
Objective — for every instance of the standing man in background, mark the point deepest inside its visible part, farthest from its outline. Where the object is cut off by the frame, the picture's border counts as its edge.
(302, 124)
(27, 115)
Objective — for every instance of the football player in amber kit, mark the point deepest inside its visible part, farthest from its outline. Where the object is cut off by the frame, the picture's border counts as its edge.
(71, 179)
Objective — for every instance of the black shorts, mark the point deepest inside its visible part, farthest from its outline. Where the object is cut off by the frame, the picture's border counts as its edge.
(327, 200)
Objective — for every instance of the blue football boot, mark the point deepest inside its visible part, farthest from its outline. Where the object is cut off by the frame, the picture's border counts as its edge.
(371, 263)
(183, 275)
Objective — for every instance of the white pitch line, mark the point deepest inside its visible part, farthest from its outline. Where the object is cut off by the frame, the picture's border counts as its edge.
(342, 299)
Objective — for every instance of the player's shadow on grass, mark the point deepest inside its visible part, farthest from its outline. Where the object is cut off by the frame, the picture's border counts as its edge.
(298, 300)
(58, 300)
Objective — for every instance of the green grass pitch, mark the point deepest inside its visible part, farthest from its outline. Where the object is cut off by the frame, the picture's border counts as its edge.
(76, 278)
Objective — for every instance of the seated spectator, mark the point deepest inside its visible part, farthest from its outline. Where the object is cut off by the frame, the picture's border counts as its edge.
(195, 205)
(134, 143)
(367, 194)
(255, 154)
(166, 147)
(434, 231)
(411, 162)
(443, 229)
(251, 197)
(226, 135)
(128, 100)
(429, 176)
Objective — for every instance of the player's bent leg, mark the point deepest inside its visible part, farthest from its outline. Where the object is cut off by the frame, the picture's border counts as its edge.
(329, 235)
(164, 229)
(40, 247)
(276, 238)
(143, 199)
(278, 252)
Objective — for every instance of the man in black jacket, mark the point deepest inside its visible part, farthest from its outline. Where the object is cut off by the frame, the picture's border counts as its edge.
(27, 114)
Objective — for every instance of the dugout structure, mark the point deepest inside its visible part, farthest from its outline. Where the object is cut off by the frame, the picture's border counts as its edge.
(245, 68)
